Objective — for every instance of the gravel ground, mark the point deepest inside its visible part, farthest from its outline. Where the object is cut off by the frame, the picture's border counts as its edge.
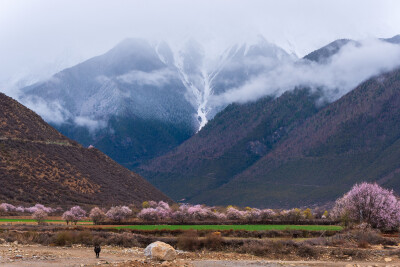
(14, 254)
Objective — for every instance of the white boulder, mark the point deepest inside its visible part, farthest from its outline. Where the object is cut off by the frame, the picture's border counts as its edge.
(160, 251)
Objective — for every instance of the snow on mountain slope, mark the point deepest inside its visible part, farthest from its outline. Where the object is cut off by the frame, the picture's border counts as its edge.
(205, 76)
(142, 99)
(158, 81)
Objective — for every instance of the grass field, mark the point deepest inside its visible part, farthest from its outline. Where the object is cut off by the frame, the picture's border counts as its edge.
(234, 227)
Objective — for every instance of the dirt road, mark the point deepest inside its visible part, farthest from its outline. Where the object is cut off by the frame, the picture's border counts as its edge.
(12, 255)
(36, 255)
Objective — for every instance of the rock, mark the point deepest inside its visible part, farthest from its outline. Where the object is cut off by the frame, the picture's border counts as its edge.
(388, 259)
(160, 251)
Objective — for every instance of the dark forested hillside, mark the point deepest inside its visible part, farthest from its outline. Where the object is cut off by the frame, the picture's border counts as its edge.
(38, 164)
(229, 144)
(296, 154)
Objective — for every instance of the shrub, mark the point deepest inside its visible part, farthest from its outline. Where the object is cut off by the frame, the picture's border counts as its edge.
(363, 244)
(63, 238)
(369, 203)
(213, 241)
(325, 215)
(308, 214)
(84, 237)
(256, 248)
(307, 251)
(145, 205)
(189, 240)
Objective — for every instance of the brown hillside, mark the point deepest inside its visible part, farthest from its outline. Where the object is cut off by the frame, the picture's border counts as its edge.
(287, 152)
(356, 138)
(38, 164)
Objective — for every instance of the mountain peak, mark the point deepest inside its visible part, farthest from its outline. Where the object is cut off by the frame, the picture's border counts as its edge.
(324, 53)
(394, 40)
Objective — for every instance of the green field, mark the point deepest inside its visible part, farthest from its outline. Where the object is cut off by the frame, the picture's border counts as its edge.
(234, 227)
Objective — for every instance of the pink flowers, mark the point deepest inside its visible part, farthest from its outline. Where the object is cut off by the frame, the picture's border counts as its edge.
(74, 215)
(97, 215)
(39, 215)
(157, 211)
(118, 213)
(69, 217)
(369, 203)
(235, 214)
(9, 207)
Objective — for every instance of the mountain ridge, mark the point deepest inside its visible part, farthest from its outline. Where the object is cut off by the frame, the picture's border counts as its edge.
(312, 151)
(38, 164)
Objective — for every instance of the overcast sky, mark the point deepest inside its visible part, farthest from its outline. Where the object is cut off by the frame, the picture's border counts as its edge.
(39, 37)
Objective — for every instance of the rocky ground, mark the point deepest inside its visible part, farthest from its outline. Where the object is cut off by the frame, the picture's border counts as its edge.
(14, 254)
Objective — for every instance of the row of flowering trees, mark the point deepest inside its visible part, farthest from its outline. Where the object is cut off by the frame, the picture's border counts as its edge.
(364, 203)
(96, 214)
(6, 207)
(40, 213)
(161, 211)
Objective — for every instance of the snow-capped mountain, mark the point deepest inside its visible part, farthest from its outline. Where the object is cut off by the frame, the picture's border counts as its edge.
(152, 81)
(141, 99)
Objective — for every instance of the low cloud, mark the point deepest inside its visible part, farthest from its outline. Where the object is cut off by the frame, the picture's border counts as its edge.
(155, 78)
(51, 112)
(89, 123)
(352, 65)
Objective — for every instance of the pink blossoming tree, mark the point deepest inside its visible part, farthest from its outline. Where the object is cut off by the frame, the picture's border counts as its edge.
(118, 213)
(371, 204)
(74, 215)
(97, 215)
(39, 216)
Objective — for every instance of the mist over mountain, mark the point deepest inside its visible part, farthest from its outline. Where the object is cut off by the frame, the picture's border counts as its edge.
(288, 151)
(141, 99)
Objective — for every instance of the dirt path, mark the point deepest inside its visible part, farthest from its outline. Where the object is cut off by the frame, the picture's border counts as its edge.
(12, 255)
(36, 255)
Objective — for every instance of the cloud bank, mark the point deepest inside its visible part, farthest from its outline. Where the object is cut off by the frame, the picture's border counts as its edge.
(353, 64)
(42, 36)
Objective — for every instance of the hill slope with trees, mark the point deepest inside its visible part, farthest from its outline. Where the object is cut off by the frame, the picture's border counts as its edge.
(318, 155)
(38, 164)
